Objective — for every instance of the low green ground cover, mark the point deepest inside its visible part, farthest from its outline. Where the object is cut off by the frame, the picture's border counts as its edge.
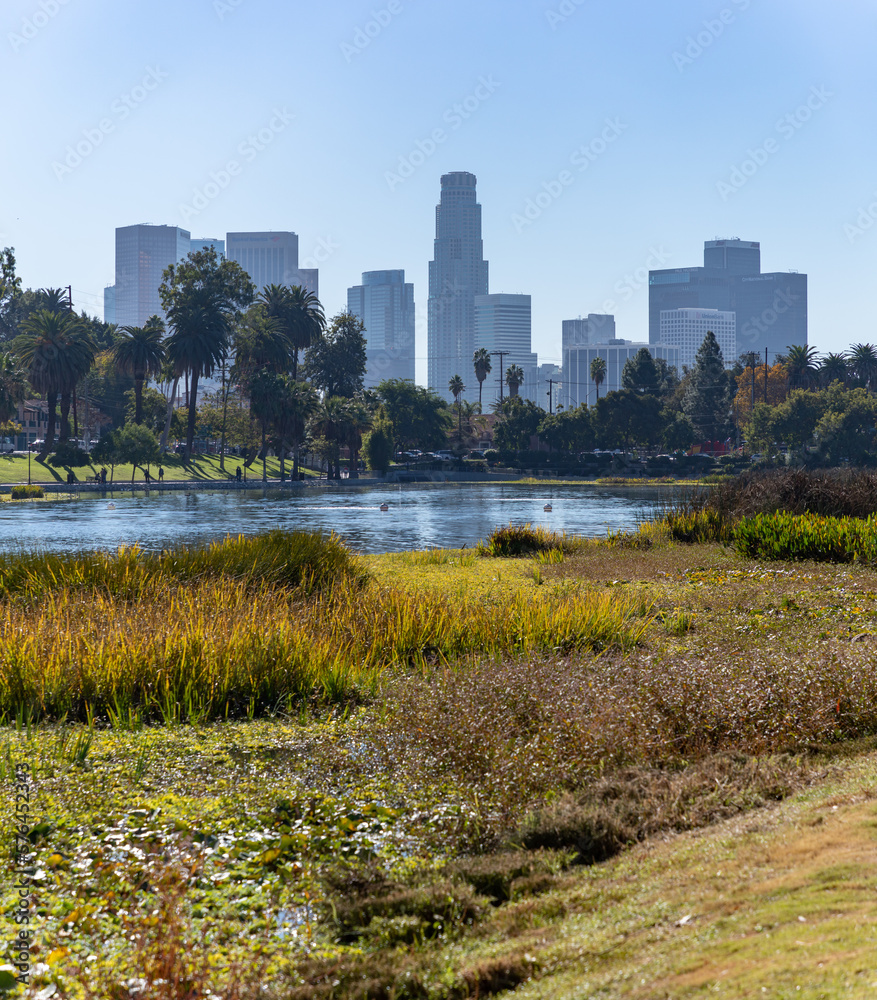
(494, 794)
(14, 469)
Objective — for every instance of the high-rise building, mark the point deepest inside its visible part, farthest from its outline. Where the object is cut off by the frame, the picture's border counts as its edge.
(733, 256)
(385, 304)
(578, 385)
(205, 244)
(457, 274)
(142, 254)
(598, 328)
(271, 259)
(503, 323)
(110, 304)
(770, 309)
(686, 329)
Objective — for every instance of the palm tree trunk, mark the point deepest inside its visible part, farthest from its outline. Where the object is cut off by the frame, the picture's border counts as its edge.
(138, 401)
(480, 387)
(264, 449)
(225, 389)
(193, 413)
(170, 413)
(52, 400)
(64, 429)
(75, 417)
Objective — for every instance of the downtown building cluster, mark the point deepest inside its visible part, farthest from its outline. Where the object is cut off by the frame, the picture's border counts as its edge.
(751, 313)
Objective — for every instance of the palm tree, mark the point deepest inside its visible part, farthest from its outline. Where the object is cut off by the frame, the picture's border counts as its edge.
(329, 422)
(299, 317)
(481, 361)
(296, 404)
(358, 421)
(13, 386)
(455, 388)
(862, 359)
(139, 352)
(801, 365)
(598, 373)
(265, 390)
(514, 378)
(201, 296)
(56, 352)
(834, 368)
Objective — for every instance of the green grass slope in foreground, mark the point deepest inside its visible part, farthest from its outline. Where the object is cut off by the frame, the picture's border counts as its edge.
(495, 793)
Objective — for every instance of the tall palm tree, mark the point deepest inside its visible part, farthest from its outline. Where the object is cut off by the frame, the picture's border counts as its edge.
(265, 390)
(330, 422)
(456, 388)
(13, 386)
(598, 373)
(834, 368)
(202, 297)
(299, 317)
(296, 403)
(514, 378)
(481, 361)
(863, 362)
(358, 421)
(56, 353)
(259, 343)
(197, 344)
(139, 352)
(801, 365)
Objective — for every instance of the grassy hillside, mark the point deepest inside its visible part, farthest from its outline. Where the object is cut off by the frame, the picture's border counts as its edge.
(633, 768)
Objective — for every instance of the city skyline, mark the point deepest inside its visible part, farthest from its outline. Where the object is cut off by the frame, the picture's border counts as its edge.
(608, 140)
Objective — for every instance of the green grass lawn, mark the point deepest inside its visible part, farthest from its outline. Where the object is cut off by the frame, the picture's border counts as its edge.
(14, 469)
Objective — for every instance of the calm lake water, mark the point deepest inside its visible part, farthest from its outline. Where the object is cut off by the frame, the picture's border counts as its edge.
(447, 515)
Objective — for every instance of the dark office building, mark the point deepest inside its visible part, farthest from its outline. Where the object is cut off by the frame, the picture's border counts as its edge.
(770, 309)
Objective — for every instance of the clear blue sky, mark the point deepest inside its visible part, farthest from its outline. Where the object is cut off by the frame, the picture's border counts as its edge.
(542, 79)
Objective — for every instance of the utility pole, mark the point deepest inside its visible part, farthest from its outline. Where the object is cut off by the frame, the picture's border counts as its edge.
(551, 385)
(765, 374)
(500, 355)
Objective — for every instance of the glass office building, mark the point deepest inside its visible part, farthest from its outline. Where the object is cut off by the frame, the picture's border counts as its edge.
(142, 254)
(503, 323)
(770, 309)
(385, 304)
(457, 273)
(271, 259)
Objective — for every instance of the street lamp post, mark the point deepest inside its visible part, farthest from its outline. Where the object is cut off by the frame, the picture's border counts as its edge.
(28, 466)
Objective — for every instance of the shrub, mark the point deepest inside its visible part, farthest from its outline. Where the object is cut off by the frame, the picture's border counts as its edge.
(523, 540)
(27, 492)
(792, 536)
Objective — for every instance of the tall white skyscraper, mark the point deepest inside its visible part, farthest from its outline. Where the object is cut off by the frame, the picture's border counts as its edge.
(142, 254)
(503, 323)
(271, 259)
(457, 274)
(686, 328)
(385, 304)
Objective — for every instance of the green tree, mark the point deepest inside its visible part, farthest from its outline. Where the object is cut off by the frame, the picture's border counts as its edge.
(794, 420)
(519, 421)
(514, 378)
(298, 315)
(106, 452)
(707, 399)
(202, 297)
(569, 431)
(13, 386)
(456, 388)
(481, 362)
(377, 445)
(137, 446)
(640, 373)
(760, 429)
(625, 419)
(802, 365)
(56, 354)
(677, 433)
(336, 362)
(153, 407)
(846, 431)
(329, 423)
(420, 417)
(10, 293)
(833, 368)
(598, 373)
(139, 352)
(296, 402)
(863, 363)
